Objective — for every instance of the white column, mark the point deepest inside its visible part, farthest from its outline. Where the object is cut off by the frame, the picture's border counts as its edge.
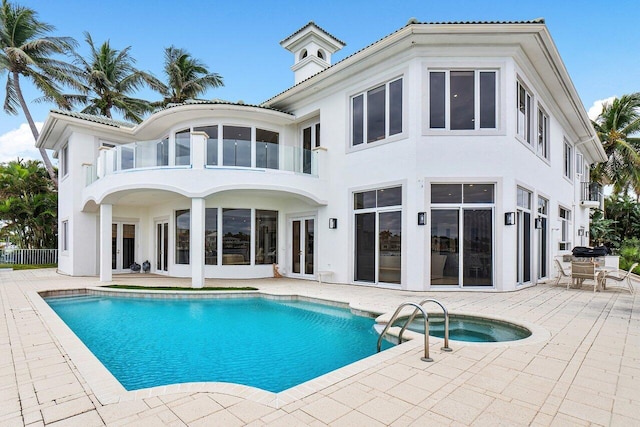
(105, 242)
(196, 247)
(198, 149)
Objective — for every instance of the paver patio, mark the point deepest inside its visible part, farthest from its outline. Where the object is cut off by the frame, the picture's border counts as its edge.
(581, 367)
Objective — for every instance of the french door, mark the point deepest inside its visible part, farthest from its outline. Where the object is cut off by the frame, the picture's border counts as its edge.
(162, 246)
(543, 239)
(462, 247)
(303, 247)
(524, 241)
(123, 246)
(378, 247)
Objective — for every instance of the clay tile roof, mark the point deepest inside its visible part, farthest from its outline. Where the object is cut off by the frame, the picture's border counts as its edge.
(96, 119)
(411, 21)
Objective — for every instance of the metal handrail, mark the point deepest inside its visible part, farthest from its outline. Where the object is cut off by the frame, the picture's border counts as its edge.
(426, 357)
(446, 322)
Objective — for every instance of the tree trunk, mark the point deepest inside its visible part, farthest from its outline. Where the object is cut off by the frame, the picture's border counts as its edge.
(45, 157)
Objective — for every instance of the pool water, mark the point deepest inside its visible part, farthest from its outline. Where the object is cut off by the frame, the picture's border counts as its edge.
(472, 329)
(252, 341)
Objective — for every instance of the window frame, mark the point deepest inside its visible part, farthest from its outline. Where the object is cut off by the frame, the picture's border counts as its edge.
(64, 160)
(529, 120)
(64, 235)
(580, 165)
(387, 113)
(476, 99)
(567, 160)
(565, 229)
(542, 114)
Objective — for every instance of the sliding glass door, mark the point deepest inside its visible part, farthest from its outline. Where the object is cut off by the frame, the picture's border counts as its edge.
(462, 234)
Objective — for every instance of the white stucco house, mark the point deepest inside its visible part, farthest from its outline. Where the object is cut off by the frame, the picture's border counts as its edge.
(443, 156)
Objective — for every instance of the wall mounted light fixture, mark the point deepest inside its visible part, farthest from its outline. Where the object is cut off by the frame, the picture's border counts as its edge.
(538, 223)
(422, 218)
(509, 218)
(333, 223)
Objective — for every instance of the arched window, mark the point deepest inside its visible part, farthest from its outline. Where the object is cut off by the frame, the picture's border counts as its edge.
(320, 54)
(303, 54)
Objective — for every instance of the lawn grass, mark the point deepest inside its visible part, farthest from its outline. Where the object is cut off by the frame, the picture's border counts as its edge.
(174, 288)
(27, 266)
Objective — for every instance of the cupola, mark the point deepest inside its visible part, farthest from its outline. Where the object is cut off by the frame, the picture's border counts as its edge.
(312, 48)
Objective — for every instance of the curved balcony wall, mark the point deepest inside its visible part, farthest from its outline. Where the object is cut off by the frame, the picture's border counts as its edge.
(197, 165)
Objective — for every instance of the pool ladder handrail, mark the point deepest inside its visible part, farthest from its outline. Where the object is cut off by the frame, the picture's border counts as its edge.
(418, 308)
(446, 322)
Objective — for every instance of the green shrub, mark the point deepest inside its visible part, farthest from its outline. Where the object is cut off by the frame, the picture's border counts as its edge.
(629, 253)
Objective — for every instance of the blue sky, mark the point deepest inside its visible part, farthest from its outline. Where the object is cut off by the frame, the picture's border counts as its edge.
(599, 41)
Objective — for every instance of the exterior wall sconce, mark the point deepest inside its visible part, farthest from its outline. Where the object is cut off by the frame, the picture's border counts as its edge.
(422, 218)
(333, 223)
(538, 223)
(509, 218)
(580, 232)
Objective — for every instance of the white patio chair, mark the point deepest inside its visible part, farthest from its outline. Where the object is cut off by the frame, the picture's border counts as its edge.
(561, 273)
(581, 271)
(620, 278)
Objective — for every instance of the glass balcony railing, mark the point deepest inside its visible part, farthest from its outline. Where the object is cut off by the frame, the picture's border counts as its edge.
(157, 154)
(590, 193)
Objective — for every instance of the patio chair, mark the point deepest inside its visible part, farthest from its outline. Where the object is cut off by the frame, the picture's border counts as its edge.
(621, 278)
(581, 271)
(561, 273)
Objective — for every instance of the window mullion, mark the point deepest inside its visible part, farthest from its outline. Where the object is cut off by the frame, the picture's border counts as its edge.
(387, 108)
(476, 100)
(365, 106)
(447, 101)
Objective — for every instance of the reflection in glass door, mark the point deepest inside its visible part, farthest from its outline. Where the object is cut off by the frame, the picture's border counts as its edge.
(162, 246)
(302, 247)
(365, 247)
(541, 226)
(445, 247)
(123, 244)
(523, 240)
(477, 247)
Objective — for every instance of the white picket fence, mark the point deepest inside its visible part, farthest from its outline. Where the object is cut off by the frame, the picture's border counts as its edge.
(29, 256)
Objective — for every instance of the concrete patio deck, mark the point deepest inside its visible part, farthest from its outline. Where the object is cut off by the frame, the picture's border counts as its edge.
(581, 367)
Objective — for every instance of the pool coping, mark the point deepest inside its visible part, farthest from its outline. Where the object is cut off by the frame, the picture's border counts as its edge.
(108, 389)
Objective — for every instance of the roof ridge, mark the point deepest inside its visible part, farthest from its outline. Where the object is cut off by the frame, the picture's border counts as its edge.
(308, 24)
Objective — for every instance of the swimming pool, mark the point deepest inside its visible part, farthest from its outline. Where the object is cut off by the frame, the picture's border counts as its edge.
(146, 342)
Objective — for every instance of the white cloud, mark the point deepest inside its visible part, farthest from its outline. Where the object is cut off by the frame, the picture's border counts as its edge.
(19, 143)
(596, 108)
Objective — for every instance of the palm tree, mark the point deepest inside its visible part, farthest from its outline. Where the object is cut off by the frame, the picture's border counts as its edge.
(187, 77)
(109, 77)
(615, 126)
(26, 50)
(28, 204)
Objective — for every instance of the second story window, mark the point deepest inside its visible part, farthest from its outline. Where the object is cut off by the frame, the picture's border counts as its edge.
(64, 161)
(212, 143)
(377, 113)
(580, 166)
(266, 149)
(543, 134)
(236, 146)
(462, 100)
(525, 119)
(183, 147)
(310, 140)
(568, 160)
